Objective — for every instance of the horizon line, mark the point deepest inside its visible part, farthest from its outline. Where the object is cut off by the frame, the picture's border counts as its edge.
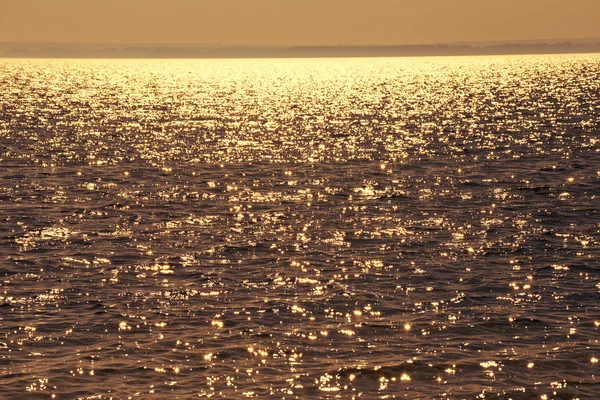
(200, 51)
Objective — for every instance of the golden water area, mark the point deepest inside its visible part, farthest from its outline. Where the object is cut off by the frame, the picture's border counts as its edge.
(371, 228)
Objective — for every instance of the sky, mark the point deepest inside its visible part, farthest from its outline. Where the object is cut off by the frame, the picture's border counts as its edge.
(296, 22)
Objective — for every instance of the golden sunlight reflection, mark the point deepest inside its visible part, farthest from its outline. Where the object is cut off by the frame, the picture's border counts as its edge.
(335, 228)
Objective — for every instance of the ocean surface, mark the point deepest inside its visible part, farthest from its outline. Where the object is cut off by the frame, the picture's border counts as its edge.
(422, 228)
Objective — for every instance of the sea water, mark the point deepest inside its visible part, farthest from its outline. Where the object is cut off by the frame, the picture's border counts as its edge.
(301, 228)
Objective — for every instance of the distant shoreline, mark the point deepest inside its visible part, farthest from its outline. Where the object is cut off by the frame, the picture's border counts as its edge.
(66, 50)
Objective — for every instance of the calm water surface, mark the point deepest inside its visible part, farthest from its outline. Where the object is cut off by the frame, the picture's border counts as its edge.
(354, 228)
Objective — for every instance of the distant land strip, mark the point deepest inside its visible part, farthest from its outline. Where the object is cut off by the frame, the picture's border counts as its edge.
(68, 50)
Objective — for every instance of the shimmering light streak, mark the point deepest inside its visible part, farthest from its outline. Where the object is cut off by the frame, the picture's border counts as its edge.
(418, 228)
